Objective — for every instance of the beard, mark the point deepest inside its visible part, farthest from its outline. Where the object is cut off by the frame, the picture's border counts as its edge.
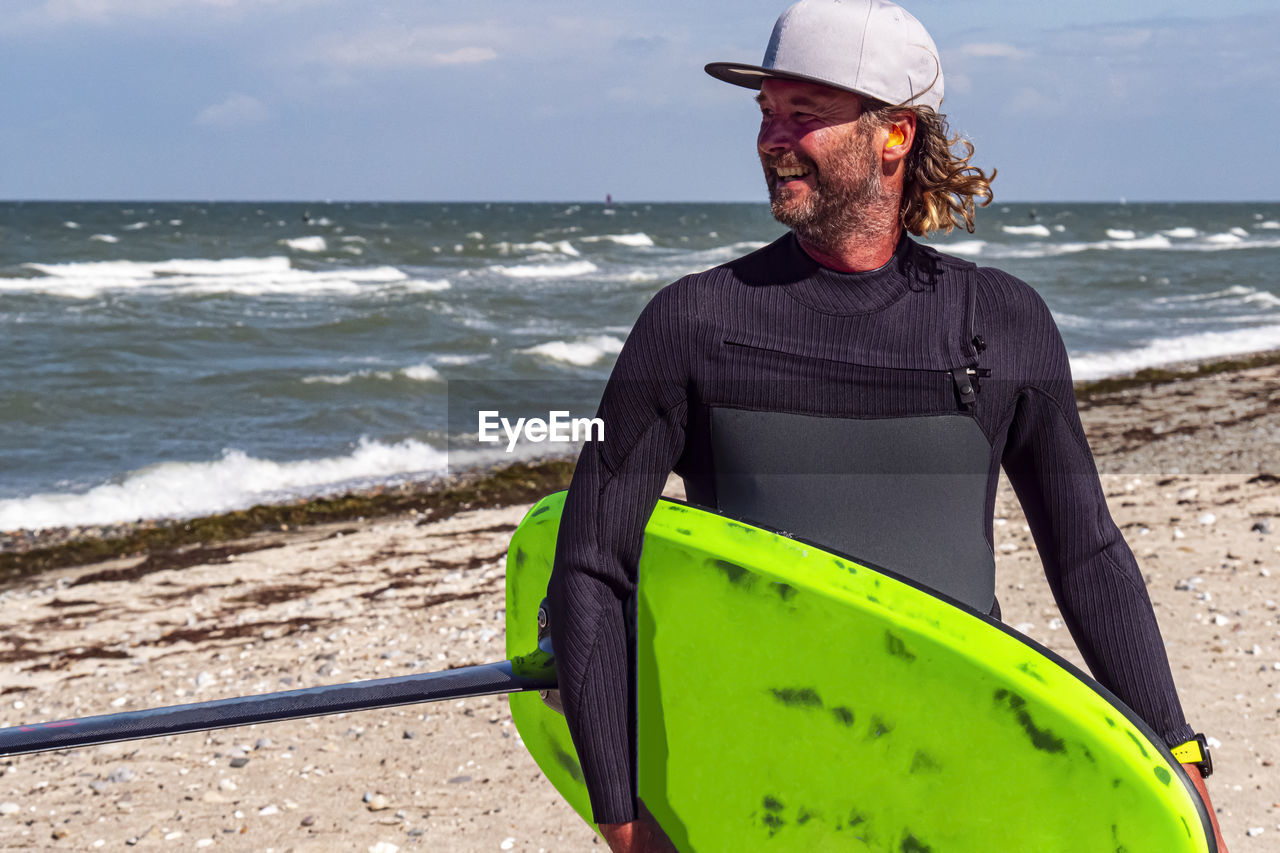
(843, 199)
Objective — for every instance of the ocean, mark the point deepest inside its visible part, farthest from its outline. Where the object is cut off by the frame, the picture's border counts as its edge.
(167, 360)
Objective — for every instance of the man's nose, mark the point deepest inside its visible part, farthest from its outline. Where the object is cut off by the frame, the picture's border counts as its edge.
(775, 136)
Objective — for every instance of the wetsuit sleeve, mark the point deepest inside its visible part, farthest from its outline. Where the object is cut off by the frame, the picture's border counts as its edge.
(614, 489)
(1092, 572)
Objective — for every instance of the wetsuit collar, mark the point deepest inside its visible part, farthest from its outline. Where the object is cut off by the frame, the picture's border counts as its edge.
(834, 292)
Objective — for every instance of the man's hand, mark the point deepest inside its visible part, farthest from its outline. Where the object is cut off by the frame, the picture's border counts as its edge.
(642, 835)
(1196, 779)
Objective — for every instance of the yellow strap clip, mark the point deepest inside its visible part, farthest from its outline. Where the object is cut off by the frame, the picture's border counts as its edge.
(1189, 752)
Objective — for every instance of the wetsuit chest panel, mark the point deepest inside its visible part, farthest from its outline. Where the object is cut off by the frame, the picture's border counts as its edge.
(905, 494)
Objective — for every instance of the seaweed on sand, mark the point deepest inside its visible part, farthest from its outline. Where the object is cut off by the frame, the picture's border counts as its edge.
(512, 484)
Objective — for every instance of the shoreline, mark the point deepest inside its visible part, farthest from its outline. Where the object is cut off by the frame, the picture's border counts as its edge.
(1177, 371)
(26, 552)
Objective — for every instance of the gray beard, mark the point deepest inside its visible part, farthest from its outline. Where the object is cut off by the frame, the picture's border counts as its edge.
(845, 199)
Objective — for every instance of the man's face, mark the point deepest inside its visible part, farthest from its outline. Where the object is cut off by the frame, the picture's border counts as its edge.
(820, 164)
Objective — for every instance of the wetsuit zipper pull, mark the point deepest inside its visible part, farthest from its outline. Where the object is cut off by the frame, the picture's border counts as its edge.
(966, 387)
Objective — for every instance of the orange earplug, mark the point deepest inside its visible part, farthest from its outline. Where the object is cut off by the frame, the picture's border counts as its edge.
(895, 137)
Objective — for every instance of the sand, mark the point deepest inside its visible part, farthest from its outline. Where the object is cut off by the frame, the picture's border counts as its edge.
(1192, 473)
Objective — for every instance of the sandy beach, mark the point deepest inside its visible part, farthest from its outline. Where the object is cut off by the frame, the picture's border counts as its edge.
(1191, 469)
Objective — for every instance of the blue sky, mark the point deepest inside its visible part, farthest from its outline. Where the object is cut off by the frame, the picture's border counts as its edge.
(557, 100)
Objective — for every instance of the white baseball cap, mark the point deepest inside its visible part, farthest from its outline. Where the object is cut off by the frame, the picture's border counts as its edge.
(870, 47)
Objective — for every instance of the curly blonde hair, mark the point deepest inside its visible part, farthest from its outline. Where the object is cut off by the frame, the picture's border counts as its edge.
(939, 186)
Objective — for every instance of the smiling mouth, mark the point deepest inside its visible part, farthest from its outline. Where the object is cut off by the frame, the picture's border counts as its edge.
(790, 173)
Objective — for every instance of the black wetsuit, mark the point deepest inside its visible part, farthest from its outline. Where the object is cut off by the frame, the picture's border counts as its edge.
(773, 342)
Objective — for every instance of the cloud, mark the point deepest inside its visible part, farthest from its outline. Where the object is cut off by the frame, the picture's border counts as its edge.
(236, 110)
(464, 55)
(1128, 38)
(648, 97)
(1154, 68)
(642, 47)
(21, 16)
(1033, 101)
(416, 47)
(992, 50)
(959, 84)
(104, 11)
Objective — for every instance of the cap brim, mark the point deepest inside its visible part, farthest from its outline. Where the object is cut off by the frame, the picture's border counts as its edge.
(751, 76)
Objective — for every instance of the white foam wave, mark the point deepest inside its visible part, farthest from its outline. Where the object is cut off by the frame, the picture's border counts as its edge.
(136, 226)
(1231, 295)
(1227, 244)
(546, 270)
(583, 352)
(1263, 298)
(421, 373)
(1153, 242)
(306, 244)
(1220, 242)
(241, 276)
(639, 240)
(1270, 224)
(228, 266)
(963, 247)
(1121, 234)
(105, 238)
(1033, 230)
(72, 225)
(416, 285)
(1170, 350)
(1181, 233)
(417, 372)
(347, 378)
(563, 247)
(1233, 290)
(235, 481)
(1073, 321)
(699, 260)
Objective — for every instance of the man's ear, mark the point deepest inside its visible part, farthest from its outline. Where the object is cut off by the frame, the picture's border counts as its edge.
(898, 137)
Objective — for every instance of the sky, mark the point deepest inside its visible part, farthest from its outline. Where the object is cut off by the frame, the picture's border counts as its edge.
(415, 100)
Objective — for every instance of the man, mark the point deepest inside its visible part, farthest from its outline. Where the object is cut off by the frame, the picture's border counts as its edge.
(848, 338)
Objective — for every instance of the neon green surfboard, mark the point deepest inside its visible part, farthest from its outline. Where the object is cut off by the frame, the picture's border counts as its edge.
(792, 699)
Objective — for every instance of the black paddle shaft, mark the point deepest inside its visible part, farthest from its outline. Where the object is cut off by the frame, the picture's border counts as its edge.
(528, 673)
